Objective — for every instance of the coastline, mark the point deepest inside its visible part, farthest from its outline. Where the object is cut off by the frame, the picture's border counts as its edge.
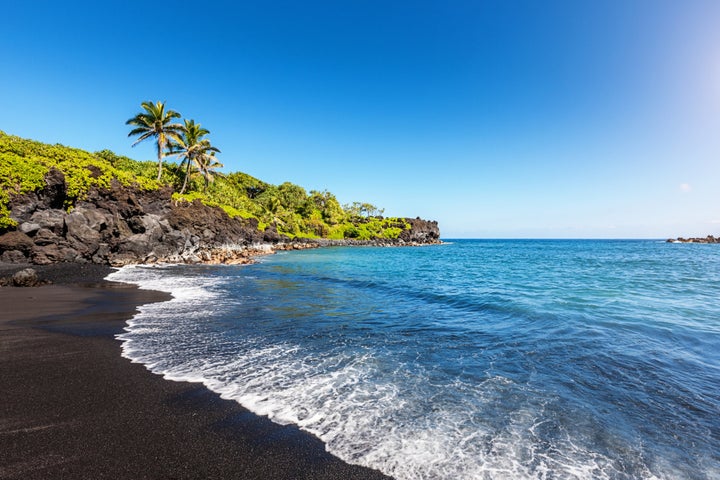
(73, 407)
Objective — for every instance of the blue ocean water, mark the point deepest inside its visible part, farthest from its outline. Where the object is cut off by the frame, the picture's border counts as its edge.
(476, 359)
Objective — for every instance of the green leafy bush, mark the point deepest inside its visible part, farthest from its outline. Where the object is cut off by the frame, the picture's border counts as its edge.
(230, 210)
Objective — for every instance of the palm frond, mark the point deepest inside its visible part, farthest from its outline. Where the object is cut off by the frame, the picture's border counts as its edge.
(145, 136)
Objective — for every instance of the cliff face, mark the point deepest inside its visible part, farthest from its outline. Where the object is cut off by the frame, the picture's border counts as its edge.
(421, 231)
(121, 225)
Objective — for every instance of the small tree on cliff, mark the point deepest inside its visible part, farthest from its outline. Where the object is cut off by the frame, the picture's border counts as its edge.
(357, 209)
(155, 122)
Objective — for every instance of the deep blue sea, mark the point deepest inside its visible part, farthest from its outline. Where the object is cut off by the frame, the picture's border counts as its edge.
(476, 359)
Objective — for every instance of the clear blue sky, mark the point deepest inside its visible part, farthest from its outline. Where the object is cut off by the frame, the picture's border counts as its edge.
(497, 118)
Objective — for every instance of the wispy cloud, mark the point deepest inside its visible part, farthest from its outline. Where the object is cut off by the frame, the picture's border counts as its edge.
(685, 187)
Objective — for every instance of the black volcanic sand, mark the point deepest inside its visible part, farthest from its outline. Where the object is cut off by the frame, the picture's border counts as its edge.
(72, 408)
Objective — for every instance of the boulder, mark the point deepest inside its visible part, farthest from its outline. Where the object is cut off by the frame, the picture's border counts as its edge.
(15, 241)
(55, 253)
(52, 219)
(29, 228)
(95, 218)
(23, 206)
(13, 256)
(45, 236)
(82, 230)
(152, 227)
(25, 278)
(141, 245)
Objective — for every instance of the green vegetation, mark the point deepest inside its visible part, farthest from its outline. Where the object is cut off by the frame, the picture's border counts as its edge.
(294, 212)
(24, 164)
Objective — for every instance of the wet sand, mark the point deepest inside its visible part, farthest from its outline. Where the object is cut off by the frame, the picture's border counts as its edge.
(72, 408)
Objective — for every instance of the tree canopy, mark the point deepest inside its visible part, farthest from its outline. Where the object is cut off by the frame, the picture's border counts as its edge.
(154, 122)
(194, 151)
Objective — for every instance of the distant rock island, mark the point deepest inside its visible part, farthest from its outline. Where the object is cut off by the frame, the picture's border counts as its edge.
(708, 239)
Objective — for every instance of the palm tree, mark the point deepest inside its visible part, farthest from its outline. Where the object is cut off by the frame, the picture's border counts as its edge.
(191, 147)
(207, 163)
(154, 122)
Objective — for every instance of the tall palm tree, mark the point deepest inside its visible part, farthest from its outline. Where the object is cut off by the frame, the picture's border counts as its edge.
(191, 146)
(207, 163)
(155, 122)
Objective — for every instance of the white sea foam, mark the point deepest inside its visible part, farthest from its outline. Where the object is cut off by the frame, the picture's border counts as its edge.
(364, 414)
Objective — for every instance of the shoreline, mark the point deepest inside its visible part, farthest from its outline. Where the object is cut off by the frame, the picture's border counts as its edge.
(74, 408)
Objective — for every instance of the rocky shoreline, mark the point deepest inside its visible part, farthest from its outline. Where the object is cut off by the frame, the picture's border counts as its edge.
(121, 225)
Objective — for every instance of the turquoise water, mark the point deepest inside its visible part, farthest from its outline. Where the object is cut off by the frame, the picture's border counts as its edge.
(473, 359)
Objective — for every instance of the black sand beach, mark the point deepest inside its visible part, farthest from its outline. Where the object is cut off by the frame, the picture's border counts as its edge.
(72, 408)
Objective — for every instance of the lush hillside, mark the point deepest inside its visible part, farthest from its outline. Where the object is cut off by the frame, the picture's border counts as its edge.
(294, 211)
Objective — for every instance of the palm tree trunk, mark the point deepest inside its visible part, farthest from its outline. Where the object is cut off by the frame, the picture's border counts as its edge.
(160, 159)
(187, 174)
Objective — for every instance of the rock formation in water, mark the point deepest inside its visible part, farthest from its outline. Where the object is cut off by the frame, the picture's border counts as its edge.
(708, 239)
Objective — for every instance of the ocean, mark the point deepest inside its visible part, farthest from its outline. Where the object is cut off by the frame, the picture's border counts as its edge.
(475, 359)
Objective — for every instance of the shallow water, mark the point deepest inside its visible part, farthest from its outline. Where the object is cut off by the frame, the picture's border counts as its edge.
(474, 359)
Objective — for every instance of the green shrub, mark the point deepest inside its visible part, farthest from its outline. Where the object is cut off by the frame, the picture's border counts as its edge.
(230, 210)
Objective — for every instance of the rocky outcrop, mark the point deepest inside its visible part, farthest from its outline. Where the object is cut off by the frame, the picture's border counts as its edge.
(708, 239)
(121, 225)
(421, 231)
